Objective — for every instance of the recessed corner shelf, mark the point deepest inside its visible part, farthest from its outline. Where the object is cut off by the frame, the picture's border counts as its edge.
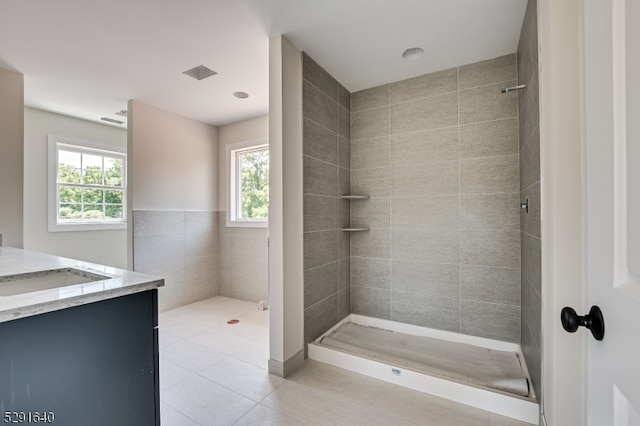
(355, 197)
(354, 229)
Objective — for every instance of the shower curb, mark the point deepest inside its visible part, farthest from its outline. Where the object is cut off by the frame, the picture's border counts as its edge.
(520, 408)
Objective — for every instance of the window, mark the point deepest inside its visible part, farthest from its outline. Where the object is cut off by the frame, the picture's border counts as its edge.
(248, 184)
(87, 186)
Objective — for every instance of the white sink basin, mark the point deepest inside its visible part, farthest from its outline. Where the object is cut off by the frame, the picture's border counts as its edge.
(13, 285)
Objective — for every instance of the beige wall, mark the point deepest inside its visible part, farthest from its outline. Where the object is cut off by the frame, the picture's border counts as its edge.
(172, 161)
(11, 157)
(173, 201)
(105, 247)
(247, 130)
(243, 251)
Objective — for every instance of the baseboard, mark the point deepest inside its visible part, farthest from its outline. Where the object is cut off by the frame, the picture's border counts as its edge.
(283, 369)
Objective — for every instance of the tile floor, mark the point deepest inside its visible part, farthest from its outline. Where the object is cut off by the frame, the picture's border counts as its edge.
(212, 373)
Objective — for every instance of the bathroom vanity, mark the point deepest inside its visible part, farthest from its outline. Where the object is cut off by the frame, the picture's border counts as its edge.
(78, 342)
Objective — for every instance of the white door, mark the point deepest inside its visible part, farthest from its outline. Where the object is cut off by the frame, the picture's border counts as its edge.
(612, 176)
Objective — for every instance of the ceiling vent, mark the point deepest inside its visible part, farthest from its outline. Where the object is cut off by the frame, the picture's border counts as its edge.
(200, 72)
(111, 120)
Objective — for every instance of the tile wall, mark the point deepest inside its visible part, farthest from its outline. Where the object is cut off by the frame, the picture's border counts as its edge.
(530, 188)
(243, 256)
(326, 130)
(438, 155)
(200, 257)
(182, 247)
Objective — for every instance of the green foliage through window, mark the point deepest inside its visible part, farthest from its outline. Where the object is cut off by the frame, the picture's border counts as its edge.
(253, 185)
(90, 185)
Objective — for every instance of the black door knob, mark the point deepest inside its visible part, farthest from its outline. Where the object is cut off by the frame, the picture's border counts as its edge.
(594, 321)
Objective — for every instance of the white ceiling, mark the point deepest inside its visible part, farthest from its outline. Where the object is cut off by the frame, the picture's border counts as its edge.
(86, 58)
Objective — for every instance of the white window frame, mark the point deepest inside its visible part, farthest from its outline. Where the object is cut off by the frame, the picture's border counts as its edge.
(232, 184)
(53, 191)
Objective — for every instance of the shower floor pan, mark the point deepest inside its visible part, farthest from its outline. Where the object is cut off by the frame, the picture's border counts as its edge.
(482, 373)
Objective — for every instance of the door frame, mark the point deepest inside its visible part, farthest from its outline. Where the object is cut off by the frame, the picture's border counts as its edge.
(564, 372)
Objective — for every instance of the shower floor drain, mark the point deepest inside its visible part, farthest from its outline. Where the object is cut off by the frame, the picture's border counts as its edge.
(233, 321)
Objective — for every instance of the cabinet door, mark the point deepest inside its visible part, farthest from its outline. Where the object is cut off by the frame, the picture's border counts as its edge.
(95, 364)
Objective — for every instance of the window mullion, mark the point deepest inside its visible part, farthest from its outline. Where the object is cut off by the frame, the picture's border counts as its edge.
(92, 186)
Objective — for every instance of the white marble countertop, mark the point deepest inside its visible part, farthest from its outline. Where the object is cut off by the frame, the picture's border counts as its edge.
(17, 261)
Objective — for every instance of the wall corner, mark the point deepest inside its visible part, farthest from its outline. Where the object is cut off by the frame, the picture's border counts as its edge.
(286, 276)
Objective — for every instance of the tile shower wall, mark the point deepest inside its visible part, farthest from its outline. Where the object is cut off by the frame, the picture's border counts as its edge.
(326, 129)
(182, 247)
(438, 155)
(530, 188)
(244, 270)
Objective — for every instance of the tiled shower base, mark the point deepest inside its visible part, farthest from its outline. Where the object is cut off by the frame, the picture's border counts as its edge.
(367, 361)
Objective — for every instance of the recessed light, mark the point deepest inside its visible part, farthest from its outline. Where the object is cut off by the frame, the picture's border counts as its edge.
(111, 120)
(200, 72)
(241, 95)
(413, 53)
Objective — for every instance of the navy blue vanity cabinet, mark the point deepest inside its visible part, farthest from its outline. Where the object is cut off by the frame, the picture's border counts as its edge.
(93, 364)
